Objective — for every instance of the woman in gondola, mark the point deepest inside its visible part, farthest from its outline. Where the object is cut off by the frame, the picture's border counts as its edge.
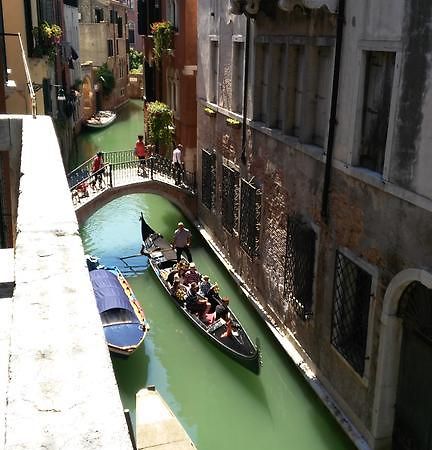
(213, 297)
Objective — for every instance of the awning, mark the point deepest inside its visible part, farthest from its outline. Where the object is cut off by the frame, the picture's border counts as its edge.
(108, 291)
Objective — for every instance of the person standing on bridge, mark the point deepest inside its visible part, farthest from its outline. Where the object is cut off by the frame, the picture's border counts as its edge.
(177, 164)
(98, 170)
(142, 153)
(181, 241)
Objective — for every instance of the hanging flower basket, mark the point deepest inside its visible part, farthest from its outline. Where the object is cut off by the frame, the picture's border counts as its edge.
(47, 38)
(210, 112)
(233, 123)
(163, 33)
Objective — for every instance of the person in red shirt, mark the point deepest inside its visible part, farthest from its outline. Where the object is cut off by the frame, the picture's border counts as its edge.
(142, 153)
(98, 169)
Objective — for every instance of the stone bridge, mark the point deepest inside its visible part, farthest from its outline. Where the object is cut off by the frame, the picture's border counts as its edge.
(184, 199)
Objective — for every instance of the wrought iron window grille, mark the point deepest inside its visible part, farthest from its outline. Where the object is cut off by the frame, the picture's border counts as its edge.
(351, 301)
(208, 183)
(299, 267)
(250, 218)
(230, 199)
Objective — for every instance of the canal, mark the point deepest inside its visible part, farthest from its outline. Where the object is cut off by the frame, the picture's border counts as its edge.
(220, 403)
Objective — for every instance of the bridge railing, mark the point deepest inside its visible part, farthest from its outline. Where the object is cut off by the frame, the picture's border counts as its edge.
(122, 168)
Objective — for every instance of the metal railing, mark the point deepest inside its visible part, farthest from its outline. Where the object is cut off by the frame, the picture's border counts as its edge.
(122, 168)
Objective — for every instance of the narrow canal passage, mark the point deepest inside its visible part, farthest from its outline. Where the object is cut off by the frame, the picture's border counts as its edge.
(221, 404)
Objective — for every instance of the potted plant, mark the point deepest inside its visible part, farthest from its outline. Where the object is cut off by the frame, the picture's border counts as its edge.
(159, 123)
(163, 33)
(210, 111)
(47, 37)
(234, 123)
(105, 78)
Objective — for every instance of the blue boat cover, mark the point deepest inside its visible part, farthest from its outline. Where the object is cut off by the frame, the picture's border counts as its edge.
(108, 291)
(124, 334)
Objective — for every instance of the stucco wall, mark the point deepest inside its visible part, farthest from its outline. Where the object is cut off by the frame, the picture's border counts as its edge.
(93, 42)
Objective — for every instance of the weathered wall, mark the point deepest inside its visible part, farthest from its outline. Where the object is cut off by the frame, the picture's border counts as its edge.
(380, 220)
(93, 42)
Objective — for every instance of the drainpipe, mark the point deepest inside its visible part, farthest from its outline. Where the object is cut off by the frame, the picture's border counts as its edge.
(245, 87)
(332, 119)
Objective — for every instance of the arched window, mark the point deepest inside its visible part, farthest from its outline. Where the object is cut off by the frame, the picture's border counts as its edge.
(172, 12)
(131, 33)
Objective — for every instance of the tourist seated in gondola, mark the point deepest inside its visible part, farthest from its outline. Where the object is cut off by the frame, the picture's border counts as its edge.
(213, 297)
(191, 275)
(195, 303)
(205, 285)
(221, 312)
(178, 269)
(178, 290)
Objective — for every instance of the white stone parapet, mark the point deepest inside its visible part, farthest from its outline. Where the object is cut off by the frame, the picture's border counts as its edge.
(61, 392)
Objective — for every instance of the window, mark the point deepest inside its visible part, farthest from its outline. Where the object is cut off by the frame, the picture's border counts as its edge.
(322, 95)
(299, 266)
(117, 46)
(99, 15)
(261, 91)
(351, 300)
(208, 186)
(230, 198)
(250, 218)
(113, 16)
(131, 33)
(119, 27)
(172, 12)
(277, 87)
(376, 109)
(110, 47)
(213, 78)
(237, 76)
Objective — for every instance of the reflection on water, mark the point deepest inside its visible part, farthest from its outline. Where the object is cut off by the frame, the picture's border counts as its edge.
(220, 403)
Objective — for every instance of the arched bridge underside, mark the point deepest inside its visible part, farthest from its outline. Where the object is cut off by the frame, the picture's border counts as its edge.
(184, 199)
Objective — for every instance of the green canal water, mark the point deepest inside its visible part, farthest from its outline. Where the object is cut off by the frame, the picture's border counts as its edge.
(221, 404)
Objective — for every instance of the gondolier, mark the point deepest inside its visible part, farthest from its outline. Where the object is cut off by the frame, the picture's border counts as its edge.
(181, 241)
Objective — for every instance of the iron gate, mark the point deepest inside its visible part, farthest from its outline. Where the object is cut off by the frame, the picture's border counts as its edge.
(208, 176)
(350, 315)
(250, 218)
(299, 266)
(230, 198)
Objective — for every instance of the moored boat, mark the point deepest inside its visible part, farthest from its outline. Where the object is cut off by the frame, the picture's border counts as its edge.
(101, 119)
(123, 319)
(227, 334)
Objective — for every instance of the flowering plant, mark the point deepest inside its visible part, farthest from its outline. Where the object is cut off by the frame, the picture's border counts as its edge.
(159, 123)
(210, 111)
(233, 122)
(47, 37)
(162, 37)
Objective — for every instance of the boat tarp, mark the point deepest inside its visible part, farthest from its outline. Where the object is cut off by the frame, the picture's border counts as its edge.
(108, 291)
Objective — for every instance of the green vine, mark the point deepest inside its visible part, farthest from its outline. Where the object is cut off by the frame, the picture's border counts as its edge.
(136, 60)
(105, 78)
(159, 123)
(47, 37)
(163, 33)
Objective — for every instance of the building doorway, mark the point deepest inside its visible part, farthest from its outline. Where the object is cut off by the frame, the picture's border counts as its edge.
(413, 420)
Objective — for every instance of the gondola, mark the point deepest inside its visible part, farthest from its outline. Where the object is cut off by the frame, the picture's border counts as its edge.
(123, 318)
(101, 119)
(162, 259)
